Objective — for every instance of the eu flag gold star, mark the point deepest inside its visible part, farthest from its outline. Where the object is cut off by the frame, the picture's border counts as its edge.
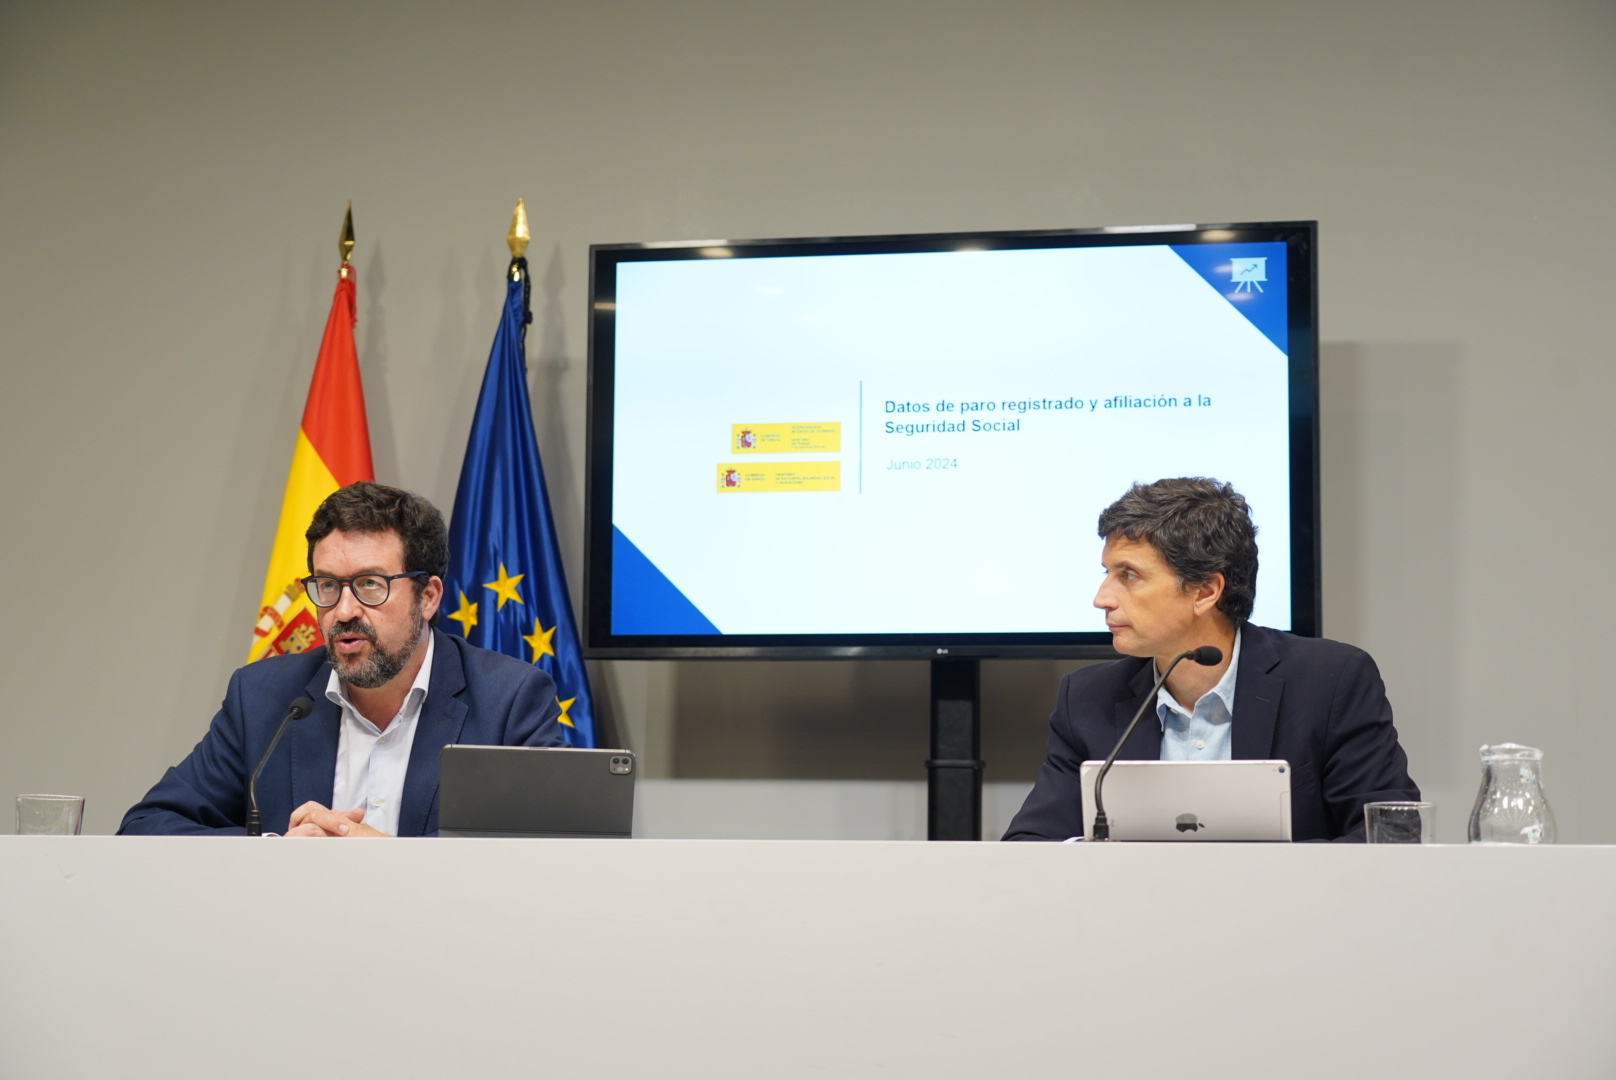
(565, 705)
(504, 587)
(540, 640)
(466, 616)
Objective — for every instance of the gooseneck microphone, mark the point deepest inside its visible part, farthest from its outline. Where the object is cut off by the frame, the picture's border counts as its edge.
(300, 708)
(1207, 656)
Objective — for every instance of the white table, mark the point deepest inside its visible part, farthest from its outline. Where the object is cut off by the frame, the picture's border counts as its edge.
(176, 958)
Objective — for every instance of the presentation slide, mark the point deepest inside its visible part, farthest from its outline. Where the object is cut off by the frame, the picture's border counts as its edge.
(922, 443)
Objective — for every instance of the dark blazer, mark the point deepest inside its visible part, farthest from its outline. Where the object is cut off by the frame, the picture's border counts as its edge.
(475, 696)
(1317, 704)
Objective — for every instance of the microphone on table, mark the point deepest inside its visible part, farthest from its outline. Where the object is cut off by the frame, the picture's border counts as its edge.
(1206, 655)
(300, 708)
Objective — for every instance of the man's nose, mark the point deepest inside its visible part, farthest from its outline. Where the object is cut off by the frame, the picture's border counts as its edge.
(347, 605)
(1103, 598)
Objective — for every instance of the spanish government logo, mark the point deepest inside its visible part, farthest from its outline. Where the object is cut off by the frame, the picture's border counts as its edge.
(746, 440)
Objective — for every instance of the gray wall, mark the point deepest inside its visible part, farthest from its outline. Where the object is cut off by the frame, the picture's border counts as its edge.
(172, 177)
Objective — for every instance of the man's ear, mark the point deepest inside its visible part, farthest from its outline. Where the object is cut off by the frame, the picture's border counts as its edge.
(431, 597)
(1207, 594)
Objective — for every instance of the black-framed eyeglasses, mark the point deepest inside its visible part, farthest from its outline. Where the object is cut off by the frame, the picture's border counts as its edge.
(371, 590)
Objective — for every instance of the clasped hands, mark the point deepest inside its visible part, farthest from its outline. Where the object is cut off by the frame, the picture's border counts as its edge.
(312, 819)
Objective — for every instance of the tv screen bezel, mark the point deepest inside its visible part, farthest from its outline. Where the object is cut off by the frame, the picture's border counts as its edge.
(1301, 240)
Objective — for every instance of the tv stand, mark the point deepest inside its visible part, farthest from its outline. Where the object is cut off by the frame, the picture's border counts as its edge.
(954, 770)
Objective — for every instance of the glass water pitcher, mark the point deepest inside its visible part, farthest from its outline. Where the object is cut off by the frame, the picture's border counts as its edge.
(1511, 808)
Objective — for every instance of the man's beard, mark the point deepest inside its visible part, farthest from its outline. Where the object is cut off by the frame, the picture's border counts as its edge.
(380, 666)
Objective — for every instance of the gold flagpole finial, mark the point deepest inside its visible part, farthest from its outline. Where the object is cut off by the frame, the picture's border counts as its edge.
(345, 240)
(518, 237)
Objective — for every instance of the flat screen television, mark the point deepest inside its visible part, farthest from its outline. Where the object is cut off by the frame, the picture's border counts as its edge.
(898, 446)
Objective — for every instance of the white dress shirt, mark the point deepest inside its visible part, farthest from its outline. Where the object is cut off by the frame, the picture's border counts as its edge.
(371, 763)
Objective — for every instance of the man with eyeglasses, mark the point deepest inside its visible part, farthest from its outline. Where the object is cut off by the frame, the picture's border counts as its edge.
(390, 691)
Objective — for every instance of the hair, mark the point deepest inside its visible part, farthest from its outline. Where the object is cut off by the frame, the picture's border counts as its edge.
(1201, 527)
(369, 507)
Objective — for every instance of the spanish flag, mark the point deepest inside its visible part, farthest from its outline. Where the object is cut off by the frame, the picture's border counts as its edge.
(333, 451)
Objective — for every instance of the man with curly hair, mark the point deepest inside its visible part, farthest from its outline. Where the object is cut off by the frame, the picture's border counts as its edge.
(1180, 562)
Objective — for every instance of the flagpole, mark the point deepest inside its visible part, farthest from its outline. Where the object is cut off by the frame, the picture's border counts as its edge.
(517, 239)
(345, 243)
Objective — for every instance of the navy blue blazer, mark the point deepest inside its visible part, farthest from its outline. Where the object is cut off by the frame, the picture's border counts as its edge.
(475, 696)
(1317, 704)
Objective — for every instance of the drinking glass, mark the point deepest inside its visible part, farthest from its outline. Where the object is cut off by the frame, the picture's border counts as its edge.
(50, 815)
(1400, 822)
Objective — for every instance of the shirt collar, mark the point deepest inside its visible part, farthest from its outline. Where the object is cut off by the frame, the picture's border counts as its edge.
(336, 691)
(1224, 690)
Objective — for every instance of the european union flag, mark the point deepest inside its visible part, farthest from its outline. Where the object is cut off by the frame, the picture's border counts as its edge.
(506, 590)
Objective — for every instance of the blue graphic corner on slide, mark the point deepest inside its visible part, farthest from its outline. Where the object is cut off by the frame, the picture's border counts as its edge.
(644, 601)
(1251, 277)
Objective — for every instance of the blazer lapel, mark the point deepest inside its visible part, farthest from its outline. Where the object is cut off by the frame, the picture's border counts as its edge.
(1145, 742)
(443, 714)
(1256, 697)
(313, 747)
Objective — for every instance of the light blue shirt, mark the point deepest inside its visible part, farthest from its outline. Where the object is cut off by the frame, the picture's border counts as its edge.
(1202, 733)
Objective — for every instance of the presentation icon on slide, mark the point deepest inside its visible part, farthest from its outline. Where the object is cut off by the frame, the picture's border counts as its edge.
(1248, 274)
